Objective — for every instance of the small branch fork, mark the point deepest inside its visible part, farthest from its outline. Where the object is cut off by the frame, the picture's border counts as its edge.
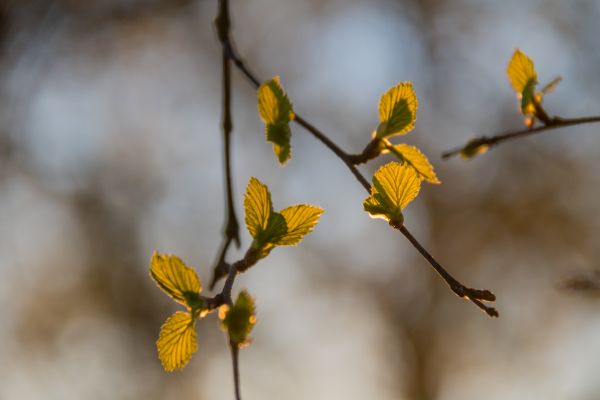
(490, 141)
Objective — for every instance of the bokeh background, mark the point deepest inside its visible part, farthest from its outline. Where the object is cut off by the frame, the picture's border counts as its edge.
(110, 147)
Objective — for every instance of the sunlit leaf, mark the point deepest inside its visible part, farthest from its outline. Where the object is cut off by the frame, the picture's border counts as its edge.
(257, 207)
(397, 111)
(177, 341)
(394, 186)
(300, 220)
(417, 160)
(276, 112)
(176, 279)
(269, 228)
(239, 320)
(521, 71)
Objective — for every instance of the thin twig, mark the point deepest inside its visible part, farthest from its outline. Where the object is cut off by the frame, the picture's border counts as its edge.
(474, 295)
(333, 147)
(221, 267)
(236, 368)
(231, 231)
(490, 141)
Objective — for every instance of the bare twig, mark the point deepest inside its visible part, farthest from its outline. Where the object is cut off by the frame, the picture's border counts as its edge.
(236, 368)
(475, 295)
(489, 141)
(231, 229)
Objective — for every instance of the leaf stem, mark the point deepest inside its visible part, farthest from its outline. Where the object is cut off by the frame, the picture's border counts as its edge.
(490, 141)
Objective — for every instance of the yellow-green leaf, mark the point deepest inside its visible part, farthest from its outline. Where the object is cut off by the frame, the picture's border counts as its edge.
(239, 319)
(177, 341)
(300, 220)
(521, 72)
(269, 228)
(397, 111)
(175, 278)
(257, 207)
(417, 160)
(276, 112)
(394, 186)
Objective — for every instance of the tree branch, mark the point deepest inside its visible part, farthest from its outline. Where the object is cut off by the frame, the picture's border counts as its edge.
(485, 142)
(350, 160)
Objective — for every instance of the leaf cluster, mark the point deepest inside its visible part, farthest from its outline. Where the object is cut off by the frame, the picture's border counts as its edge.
(177, 339)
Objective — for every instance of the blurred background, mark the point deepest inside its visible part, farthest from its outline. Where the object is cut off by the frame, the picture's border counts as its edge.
(110, 148)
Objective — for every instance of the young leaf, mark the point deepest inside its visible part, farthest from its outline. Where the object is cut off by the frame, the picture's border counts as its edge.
(177, 341)
(523, 79)
(394, 186)
(269, 228)
(397, 111)
(176, 279)
(257, 207)
(276, 112)
(300, 220)
(521, 72)
(417, 160)
(239, 319)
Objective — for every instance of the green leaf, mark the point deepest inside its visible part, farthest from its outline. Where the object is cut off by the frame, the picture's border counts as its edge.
(176, 279)
(239, 320)
(527, 106)
(394, 186)
(280, 136)
(276, 112)
(417, 160)
(300, 220)
(276, 228)
(397, 111)
(177, 341)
